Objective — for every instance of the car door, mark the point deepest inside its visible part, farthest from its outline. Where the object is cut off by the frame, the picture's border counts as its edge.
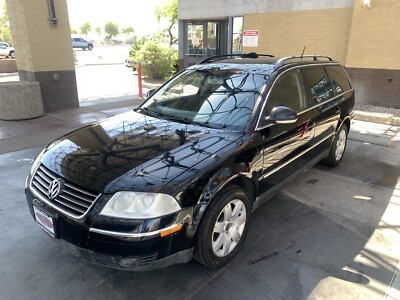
(286, 145)
(326, 105)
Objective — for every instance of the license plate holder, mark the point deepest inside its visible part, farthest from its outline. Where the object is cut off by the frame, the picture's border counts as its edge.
(45, 221)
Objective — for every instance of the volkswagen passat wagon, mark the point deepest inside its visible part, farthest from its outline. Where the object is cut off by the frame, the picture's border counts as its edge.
(178, 177)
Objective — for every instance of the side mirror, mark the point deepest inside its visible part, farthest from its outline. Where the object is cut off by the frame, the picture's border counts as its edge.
(282, 115)
(150, 93)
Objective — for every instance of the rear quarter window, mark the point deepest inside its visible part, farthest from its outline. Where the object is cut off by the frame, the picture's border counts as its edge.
(339, 80)
(319, 83)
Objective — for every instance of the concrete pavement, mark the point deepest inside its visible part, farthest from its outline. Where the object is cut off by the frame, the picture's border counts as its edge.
(330, 234)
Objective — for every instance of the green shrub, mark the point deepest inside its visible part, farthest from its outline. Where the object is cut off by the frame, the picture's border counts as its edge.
(136, 46)
(157, 62)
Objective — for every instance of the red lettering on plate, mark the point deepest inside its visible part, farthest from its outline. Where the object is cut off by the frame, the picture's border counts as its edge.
(44, 220)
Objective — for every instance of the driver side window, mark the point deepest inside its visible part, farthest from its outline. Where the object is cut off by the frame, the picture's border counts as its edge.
(288, 91)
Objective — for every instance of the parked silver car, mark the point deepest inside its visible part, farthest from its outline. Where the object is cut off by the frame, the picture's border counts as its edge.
(81, 43)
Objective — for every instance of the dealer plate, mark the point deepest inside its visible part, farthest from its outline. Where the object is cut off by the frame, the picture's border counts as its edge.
(45, 221)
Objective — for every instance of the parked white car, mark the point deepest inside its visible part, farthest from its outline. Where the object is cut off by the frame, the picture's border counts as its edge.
(6, 50)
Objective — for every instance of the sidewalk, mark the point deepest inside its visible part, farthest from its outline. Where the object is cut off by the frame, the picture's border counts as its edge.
(18, 135)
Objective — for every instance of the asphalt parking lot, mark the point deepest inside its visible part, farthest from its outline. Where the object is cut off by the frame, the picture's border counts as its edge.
(331, 234)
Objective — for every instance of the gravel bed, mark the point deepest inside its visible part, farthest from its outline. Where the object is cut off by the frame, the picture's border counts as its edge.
(378, 110)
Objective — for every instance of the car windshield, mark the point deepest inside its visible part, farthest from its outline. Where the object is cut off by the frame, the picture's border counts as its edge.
(222, 98)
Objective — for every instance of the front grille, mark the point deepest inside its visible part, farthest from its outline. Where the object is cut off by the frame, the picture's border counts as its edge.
(73, 200)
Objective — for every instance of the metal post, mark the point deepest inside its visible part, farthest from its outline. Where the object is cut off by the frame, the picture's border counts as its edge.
(139, 75)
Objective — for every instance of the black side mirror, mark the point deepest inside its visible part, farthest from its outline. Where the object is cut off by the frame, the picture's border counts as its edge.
(282, 115)
(150, 93)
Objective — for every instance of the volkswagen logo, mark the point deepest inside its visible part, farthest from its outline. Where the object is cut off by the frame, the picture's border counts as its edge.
(55, 188)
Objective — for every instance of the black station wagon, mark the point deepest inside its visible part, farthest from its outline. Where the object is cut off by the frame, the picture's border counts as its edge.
(178, 177)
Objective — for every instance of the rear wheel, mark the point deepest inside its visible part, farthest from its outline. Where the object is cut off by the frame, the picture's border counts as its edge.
(223, 227)
(337, 148)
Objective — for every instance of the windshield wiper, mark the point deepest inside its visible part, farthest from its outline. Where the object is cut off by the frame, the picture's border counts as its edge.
(149, 112)
(189, 121)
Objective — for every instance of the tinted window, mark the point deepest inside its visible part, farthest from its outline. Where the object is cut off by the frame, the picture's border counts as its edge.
(338, 78)
(318, 81)
(288, 90)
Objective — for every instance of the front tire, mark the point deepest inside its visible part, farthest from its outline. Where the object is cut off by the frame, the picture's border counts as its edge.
(338, 148)
(223, 227)
(90, 47)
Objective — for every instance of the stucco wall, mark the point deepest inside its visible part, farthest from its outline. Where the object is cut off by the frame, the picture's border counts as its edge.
(38, 46)
(194, 9)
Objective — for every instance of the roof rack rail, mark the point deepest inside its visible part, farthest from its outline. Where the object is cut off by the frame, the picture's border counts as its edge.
(221, 57)
(314, 57)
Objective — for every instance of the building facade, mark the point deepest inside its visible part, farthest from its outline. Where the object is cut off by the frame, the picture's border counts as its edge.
(361, 34)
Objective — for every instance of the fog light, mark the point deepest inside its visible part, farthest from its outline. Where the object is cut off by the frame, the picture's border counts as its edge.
(128, 262)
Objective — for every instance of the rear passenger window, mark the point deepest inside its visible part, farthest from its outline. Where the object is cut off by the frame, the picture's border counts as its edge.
(318, 81)
(339, 79)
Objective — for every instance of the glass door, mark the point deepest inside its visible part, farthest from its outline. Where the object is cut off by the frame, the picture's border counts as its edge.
(202, 41)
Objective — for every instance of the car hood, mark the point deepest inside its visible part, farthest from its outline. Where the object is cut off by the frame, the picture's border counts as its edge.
(132, 152)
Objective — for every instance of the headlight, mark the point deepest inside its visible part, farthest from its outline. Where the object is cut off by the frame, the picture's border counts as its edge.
(137, 205)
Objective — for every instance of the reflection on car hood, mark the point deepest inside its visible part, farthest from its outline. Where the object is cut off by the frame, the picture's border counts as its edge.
(132, 152)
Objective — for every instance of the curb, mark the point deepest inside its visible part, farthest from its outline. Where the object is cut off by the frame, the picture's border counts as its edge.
(8, 74)
(369, 117)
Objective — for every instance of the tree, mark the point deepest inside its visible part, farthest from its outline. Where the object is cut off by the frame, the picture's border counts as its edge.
(169, 11)
(111, 29)
(85, 28)
(97, 30)
(128, 30)
(73, 30)
(5, 33)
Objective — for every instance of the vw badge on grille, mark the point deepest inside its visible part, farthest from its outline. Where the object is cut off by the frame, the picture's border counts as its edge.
(55, 188)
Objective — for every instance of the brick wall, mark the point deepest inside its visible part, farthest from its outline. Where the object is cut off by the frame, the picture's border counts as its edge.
(374, 38)
(324, 31)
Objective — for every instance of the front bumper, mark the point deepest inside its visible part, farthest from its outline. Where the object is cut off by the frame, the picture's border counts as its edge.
(115, 248)
(129, 263)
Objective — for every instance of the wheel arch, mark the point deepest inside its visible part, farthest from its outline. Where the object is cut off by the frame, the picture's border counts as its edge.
(346, 121)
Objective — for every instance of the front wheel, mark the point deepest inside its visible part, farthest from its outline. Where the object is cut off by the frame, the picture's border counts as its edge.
(337, 148)
(223, 227)
(90, 47)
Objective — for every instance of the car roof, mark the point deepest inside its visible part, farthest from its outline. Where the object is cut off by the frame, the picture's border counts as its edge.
(260, 63)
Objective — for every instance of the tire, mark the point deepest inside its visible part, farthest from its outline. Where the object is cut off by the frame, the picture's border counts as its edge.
(90, 47)
(84, 48)
(223, 227)
(338, 148)
(11, 54)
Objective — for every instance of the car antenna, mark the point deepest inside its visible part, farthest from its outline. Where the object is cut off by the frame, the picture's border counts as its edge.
(302, 53)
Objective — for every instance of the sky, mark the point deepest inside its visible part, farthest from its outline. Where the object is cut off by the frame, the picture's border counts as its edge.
(136, 13)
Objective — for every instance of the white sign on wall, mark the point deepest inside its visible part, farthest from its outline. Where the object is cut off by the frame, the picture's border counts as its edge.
(250, 38)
